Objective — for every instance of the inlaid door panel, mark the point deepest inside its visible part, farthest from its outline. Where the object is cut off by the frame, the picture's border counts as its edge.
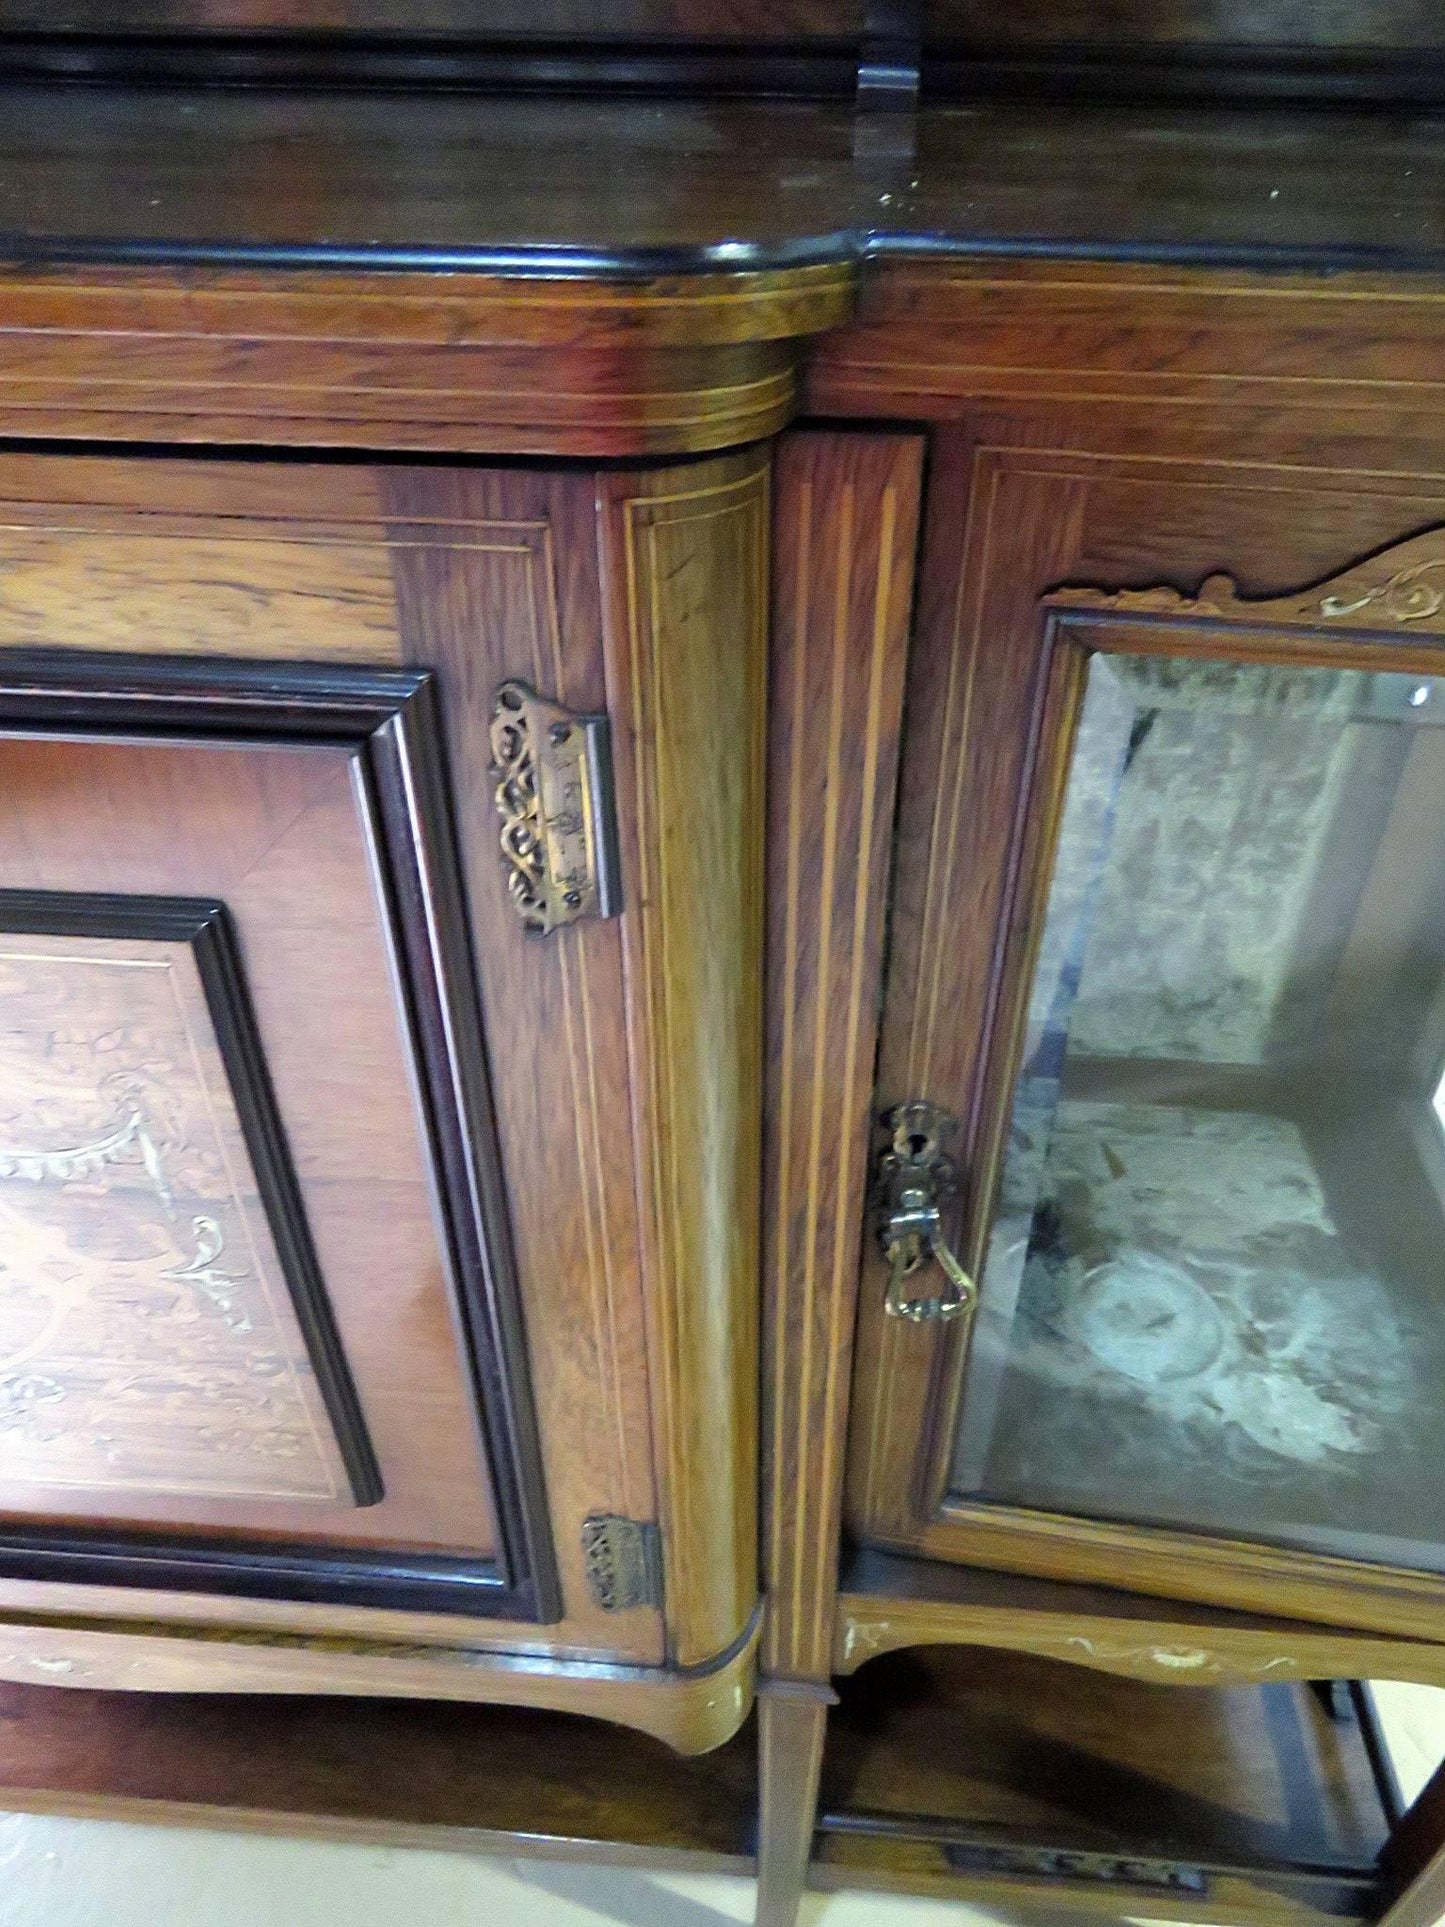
(131, 1175)
(257, 1292)
(526, 1166)
(1166, 954)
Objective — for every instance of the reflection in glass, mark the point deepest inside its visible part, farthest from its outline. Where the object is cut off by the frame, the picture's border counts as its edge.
(1214, 1288)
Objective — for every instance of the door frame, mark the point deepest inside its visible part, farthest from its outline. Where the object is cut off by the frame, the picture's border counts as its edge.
(1018, 694)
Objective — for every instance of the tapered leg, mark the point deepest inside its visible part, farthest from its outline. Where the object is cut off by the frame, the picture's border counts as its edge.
(792, 1720)
(1414, 1862)
(1422, 1904)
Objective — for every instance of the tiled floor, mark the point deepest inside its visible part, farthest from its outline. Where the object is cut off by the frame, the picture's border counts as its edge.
(92, 1873)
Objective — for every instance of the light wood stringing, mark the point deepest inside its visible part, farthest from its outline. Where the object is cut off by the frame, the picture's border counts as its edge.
(483, 574)
(194, 558)
(1172, 1649)
(847, 512)
(663, 365)
(689, 1711)
(685, 560)
(508, 586)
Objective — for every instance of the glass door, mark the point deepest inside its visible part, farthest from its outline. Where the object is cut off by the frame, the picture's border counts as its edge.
(1167, 974)
(1212, 1292)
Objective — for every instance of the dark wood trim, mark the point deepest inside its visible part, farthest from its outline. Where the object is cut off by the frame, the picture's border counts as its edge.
(406, 766)
(1154, 72)
(536, 259)
(821, 68)
(390, 718)
(78, 689)
(884, 64)
(207, 927)
(843, 248)
(318, 1575)
(165, 177)
(1417, 1840)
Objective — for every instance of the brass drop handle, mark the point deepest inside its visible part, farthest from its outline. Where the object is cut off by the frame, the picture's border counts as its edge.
(913, 1178)
(907, 1255)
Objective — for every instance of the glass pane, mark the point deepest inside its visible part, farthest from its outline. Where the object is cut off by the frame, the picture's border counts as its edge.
(1214, 1288)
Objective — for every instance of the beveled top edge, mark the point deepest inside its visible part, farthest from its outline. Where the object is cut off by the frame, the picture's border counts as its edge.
(836, 253)
(531, 298)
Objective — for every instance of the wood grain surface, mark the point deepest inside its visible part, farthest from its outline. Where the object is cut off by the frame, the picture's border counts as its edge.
(889, 1601)
(394, 1773)
(1025, 500)
(194, 558)
(481, 575)
(846, 532)
(617, 342)
(219, 181)
(497, 576)
(150, 1339)
(474, 363)
(846, 527)
(1257, 1785)
(685, 629)
(942, 338)
(792, 1725)
(952, 1733)
(276, 832)
(690, 1711)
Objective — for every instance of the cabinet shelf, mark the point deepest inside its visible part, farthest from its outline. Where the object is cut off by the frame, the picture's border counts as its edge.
(472, 1779)
(986, 1775)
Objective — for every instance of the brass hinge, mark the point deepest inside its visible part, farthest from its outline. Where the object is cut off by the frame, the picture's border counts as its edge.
(624, 1562)
(553, 775)
(912, 1179)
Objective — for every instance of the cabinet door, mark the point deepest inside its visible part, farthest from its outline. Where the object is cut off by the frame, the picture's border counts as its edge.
(379, 1232)
(1169, 969)
(243, 1348)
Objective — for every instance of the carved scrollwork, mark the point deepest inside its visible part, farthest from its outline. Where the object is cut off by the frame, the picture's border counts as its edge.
(1401, 587)
(1408, 596)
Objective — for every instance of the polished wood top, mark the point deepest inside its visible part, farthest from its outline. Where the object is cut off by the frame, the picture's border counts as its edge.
(622, 189)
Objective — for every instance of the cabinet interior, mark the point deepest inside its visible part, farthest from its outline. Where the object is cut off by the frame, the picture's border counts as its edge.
(951, 1768)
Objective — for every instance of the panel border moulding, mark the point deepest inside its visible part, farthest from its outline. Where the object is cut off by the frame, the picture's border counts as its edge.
(390, 719)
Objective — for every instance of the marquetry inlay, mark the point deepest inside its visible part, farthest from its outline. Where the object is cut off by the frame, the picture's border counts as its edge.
(148, 1342)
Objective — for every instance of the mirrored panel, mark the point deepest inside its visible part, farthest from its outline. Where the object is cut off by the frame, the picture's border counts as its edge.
(1214, 1287)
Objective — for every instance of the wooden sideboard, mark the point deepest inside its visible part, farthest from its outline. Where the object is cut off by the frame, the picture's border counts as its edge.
(546, 653)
